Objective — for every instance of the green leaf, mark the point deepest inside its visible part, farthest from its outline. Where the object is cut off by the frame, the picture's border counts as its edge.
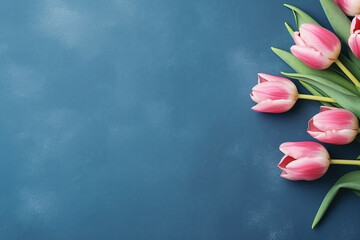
(347, 101)
(338, 20)
(300, 16)
(321, 80)
(318, 92)
(300, 67)
(289, 28)
(353, 58)
(350, 65)
(348, 181)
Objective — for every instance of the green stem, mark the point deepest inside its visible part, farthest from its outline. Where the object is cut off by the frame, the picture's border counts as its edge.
(345, 162)
(348, 73)
(316, 98)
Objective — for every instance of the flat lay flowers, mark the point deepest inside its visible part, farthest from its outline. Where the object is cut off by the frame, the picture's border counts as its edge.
(326, 62)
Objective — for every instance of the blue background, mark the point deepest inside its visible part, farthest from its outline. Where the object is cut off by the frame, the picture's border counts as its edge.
(130, 119)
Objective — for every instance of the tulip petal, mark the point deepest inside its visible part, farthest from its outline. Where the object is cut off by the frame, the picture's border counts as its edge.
(310, 57)
(321, 40)
(285, 161)
(274, 91)
(308, 164)
(339, 137)
(335, 119)
(304, 149)
(308, 168)
(349, 7)
(312, 127)
(285, 175)
(298, 40)
(293, 176)
(274, 106)
(326, 108)
(269, 91)
(254, 98)
(263, 77)
(354, 44)
(355, 24)
(290, 175)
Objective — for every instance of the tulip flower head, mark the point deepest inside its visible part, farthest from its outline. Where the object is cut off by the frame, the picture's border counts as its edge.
(349, 7)
(303, 160)
(316, 46)
(334, 125)
(354, 39)
(273, 94)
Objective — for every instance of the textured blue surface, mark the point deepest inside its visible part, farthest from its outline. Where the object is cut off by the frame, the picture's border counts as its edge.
(130, 119)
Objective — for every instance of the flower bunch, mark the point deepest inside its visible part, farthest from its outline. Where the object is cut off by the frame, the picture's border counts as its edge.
(331, 76)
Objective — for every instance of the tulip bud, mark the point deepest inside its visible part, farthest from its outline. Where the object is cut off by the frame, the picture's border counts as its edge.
(354, 39)
(303, 160)
(273, 94)
(349, 7)
(316, 46)
(334, 125)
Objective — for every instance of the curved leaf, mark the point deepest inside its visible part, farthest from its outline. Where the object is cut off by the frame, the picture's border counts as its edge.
(318, 92)
(350, 65)
(353, 58)
(321, 80)
(300, 16)
(347, 101)
(289, 28)
(349, 181)
(338, 20)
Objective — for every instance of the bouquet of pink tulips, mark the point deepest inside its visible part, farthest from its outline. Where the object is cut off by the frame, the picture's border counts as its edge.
(331, 75)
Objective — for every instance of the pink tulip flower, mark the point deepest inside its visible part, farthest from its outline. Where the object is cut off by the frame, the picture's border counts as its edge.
(334, 125)
(273, 94)
(303, 160)
(316, 46)
(354, 39)
(349, 7)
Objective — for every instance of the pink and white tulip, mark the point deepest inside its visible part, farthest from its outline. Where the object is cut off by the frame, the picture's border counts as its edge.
(303, 160)
(349, 7)
(354, 39)
(273, 94)
(334, 125)
(316, 46)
